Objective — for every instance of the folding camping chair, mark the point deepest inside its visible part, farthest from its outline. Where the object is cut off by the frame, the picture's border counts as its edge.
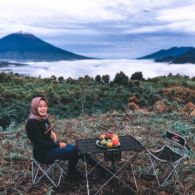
(51, 171)
(171, 156)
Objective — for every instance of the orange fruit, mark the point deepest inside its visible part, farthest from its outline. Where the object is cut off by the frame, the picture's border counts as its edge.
(109, 144)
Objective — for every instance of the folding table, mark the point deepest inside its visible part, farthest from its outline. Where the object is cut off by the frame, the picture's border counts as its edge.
(127, 144)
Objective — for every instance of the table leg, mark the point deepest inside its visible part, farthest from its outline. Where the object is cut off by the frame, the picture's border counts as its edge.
(113, 174)
(132, 169)
(86, 174)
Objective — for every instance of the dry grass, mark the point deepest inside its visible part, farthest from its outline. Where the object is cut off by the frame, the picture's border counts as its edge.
(15, 171)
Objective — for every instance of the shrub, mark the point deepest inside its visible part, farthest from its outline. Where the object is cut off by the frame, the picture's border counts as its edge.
(137, 76)
(98, 79)
(121, 79)
(106, 79)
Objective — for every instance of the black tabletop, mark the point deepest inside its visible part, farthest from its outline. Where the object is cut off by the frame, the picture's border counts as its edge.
(127, 143)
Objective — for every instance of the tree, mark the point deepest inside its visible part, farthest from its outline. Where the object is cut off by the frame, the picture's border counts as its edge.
(70, 80)
(60, 79)
(53, 77)
(88, 79)
(98, 79)
(106, 79)
(121, 78)
(137, 76)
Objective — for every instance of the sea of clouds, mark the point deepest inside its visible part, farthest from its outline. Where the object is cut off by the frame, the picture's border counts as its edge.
(80, 68)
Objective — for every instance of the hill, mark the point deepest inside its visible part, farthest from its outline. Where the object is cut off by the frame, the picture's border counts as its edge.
(173, 52)
(25, 46)
(175, 55)
(187, 57)
(6, 63)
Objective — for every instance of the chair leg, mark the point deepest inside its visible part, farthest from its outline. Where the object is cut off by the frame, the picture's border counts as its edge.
(153, 162)
(62, 172)
(35, 171)
(165, 182)
(46, 173)
(39, 171)
(171, 167)
(173, 172)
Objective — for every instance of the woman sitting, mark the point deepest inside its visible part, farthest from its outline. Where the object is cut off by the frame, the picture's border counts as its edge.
(46, 147)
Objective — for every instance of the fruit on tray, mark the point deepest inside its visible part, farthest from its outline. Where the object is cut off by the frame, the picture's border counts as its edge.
(107, 135)
(115, 140)
(103, 142)
(109, 139)
(102, 136)
(109, 144)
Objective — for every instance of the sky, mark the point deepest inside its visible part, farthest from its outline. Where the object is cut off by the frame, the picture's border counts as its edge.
(109, 29)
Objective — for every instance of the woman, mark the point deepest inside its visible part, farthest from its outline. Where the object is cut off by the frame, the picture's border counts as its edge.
(46, 147)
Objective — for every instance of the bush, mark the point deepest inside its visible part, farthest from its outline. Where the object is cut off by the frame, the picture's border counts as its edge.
(137, 76)
(121, 79)
(106, 79)
(98, 79)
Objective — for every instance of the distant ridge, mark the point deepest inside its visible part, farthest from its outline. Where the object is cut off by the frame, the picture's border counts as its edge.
(176, 55)
(25, 46)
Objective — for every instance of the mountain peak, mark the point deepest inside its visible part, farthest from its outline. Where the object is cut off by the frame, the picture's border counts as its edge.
(177, 55)
(26, 46)
(19, 35)
(171, 52)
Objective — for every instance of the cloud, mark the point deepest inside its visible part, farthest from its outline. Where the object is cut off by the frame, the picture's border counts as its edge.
(116, 23)
(73, 16)
(179, 19)
(92, 68)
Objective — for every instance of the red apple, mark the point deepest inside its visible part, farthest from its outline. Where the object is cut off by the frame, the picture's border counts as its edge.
(115, 140)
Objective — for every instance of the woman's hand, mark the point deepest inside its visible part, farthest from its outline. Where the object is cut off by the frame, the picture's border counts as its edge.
(54, 136)
(62, 145)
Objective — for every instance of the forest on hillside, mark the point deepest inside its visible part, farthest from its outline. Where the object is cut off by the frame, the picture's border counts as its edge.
(86, 95)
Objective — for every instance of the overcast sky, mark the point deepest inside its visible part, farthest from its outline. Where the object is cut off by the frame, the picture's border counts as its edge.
(103, 28)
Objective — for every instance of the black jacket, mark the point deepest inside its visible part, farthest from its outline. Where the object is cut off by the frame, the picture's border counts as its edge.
(39, 133)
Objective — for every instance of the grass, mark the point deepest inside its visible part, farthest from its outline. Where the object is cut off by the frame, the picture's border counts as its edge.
(15, 171)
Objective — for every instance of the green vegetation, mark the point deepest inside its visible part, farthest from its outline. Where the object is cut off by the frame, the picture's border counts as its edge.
(86, 107)
(70, 98)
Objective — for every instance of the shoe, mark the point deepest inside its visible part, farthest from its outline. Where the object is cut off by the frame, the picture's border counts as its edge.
(75, 175)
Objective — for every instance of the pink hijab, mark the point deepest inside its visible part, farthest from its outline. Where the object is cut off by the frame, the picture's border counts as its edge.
(34, 109)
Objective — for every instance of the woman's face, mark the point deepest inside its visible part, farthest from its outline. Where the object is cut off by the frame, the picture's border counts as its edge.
(42, 108)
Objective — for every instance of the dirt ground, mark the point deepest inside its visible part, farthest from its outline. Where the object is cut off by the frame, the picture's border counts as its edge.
(15, 171)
